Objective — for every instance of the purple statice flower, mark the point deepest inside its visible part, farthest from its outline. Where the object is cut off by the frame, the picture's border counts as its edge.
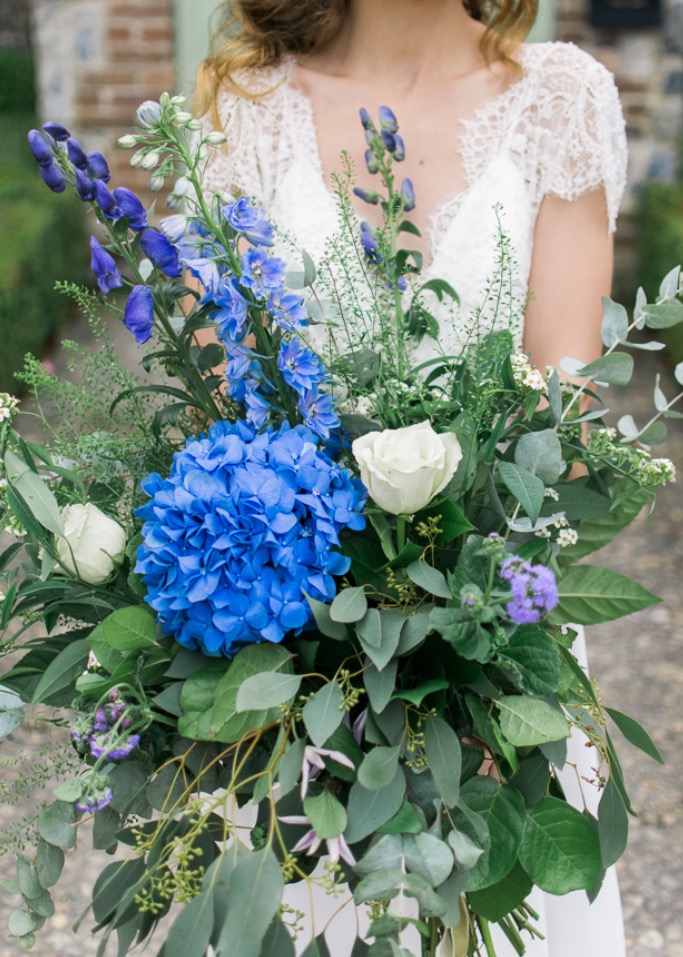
(160, 252)
(287, 311)
(56, 131)
(113, 747)
(77, 155)
(533, 588)
(263, 274)
(301, 368)
(138, 316)
(317, 409)
(245, 218)
(336, 846)
(131, 208)
(95, 800)
(270, 507)
(104, 267)
(98, 167)
(53, 177)
(41, 149)
(106, 201)
(84, 186)
(369, 242)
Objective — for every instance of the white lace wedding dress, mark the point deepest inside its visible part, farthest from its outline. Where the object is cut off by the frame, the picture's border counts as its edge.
(557, 130)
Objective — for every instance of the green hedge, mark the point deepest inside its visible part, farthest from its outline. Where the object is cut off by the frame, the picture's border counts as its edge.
(41, 240)
(17, 82)
(661, 246)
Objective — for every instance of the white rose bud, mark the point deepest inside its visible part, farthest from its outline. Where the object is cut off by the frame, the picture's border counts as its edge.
(92, 545)
(403, 469)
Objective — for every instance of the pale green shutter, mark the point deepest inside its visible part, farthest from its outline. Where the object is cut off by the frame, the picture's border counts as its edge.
(192, 35)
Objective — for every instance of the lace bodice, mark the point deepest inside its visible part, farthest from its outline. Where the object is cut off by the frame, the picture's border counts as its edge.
(558, 130)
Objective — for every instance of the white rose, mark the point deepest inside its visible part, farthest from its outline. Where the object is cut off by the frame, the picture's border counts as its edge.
(403, 469)
(92, 545)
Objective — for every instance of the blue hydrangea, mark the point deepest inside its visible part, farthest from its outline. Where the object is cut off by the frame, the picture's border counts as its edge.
(243, 528)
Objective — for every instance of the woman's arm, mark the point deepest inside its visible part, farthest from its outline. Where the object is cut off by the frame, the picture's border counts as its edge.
(571, 270)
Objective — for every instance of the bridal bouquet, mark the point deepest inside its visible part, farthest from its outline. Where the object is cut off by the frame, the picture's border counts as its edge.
(305, 596)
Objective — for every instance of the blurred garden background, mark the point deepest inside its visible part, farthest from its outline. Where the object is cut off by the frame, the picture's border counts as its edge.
(88, 64)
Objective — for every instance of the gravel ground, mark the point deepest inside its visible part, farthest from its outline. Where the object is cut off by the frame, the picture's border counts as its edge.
(638, 663)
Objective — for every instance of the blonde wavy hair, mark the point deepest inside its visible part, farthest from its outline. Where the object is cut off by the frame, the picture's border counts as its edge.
(258, 33)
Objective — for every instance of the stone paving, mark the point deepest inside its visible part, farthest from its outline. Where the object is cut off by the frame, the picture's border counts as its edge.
(638, 663)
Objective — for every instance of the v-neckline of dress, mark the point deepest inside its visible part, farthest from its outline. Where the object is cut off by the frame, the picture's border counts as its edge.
(445, 212)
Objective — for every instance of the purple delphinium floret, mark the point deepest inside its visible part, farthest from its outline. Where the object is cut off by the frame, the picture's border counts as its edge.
(263, 274)
(160, 252)
(250, 221)
(41, 148)
(97, 166)
(301, 368)
(84, 186)
(57, 131)
(53, 177)
(138, 316)
(533, 589)
(131, 208)
(104, 267)
(77, 155)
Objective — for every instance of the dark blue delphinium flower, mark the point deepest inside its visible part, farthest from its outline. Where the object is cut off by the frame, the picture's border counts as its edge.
(408, 195)
(57, 131)
(106, 201)
(317, 409)
(248, 220)
(160, 252)
(367, 195)
(262, 273)
(301, 368)
(387, 119)
(138, 316)
(371, 161)
(369, 242)
(104, 267)
(131, 208)
(270, 507)
(53, 177)
(97, 166)
(77, 155)
(84, 186)
(533, 587)
(40, 148)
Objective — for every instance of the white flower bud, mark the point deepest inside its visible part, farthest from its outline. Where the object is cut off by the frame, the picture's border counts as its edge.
(182, 117)
(156, 181)
(92, 545)
(128, 141)
(137, 158)
(150, 160)
(182, 186)
(215, 138)
(195, 125)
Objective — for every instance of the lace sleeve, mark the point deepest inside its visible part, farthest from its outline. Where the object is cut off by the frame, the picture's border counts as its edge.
(583, 132)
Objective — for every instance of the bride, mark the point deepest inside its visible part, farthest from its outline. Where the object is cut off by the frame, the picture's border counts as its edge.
(495, 129)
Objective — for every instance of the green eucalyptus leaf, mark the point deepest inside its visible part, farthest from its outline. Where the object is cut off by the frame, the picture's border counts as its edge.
(380, 685)
(289, 766)
(326, 814)
(324, 621)
(349, 606)
(387, 883)
(380, 634)
(57, 824)
(378, 768)
(429, 579)
(541, 454)
(21, 923)
(615, 368)
(560, 850)
(417, 695)
(266, 690)
(278, 941)
(11, 711)
(526, 488)
(442, 750)
(57, 683)
(323, 712)
(527, 721)
(415, 629)
(254, 896)
(405, 821)
(317, 948)
(27, 878)
(590, 594)
(368, 810)
(49, 863)
(614, 328)
(191, 931)
(663, 315)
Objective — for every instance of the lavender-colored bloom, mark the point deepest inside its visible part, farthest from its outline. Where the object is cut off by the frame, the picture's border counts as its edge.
(371, 162)
(245, 218)
(76, 154)
(389, 140)
(104, 267)
(53, 177)
(367, 195)
(261, 273)
(138, 316)
(84, 186)
(57, 131)
(366, 119)
(97, 166)
(301, 368)
(533, 588)
(313, 764)
(368, 239)
(131, 208)
(408, 195)
(101, 746)
(40, 148)
(160, 252)
(336, 846)
(106, 201)
(257, 406)
(399, 149)
(288, 311)
(387, 119)
(230, 313)
(317, 409)
(148, 114)
(92, 803)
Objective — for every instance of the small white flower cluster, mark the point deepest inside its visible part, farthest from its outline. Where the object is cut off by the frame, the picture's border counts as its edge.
(639, 464)
(566, 535)
(9, 406)
(552, 494)
(526, 375)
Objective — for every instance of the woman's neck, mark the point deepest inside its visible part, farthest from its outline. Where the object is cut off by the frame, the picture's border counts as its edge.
(404, 41)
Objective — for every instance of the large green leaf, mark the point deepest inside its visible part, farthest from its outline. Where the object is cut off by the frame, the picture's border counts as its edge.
(130, 629)
(277, 941)
(380, 685)
(387, 883)
(500, 899)
(49, 863)
(317, 948)
(324, 621)
(35, 492)
(429, 579)
(368, 810)
(615, 368)
(541, 454)
(468, 637)
(527, 721)
(590, 594)
(500, 809)
(197, 699)
(11, 711)
(225, 722)
(560, 851)
(634, 732)
(531, 661)
(266, 690)
(57, 684)
(442, 750)
(595, 533)
(326, 814)
(378, 768)
(323, 712)
(526, 488)
(190, 934)
(254, 896)
(612, 824)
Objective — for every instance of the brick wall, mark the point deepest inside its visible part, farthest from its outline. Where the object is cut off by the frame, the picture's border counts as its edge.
(648, 68)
